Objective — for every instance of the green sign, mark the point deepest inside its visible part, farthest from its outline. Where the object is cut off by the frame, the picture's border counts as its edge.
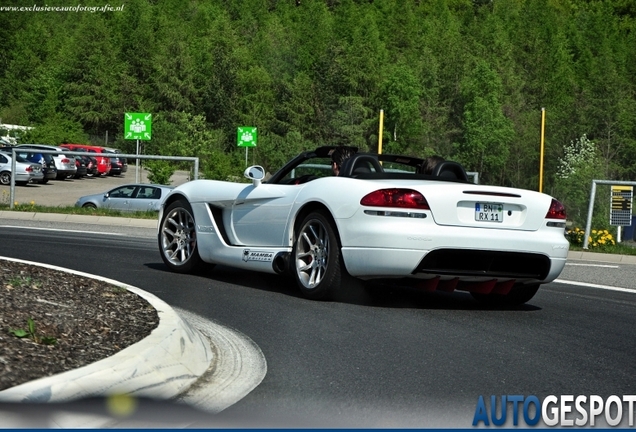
(246, 136)
(137, 126)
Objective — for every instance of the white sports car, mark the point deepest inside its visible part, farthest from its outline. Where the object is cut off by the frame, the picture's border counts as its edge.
(381, 218)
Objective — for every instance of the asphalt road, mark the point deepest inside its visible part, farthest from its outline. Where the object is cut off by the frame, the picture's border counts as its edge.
(402, 359)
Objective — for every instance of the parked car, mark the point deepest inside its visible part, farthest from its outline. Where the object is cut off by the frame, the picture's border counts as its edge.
(80, 164)
(130, 197)
(89, 161)
(25, 171)
(380, 219)
(103, 162)
(119, 164)
(46, 160)
(65, 164)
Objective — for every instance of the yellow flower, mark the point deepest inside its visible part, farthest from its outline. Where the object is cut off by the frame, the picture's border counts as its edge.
(32, 203)
(593, 231)
(15, 203)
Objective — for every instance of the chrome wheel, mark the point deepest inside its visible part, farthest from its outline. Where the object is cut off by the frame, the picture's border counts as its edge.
(316, 255)
(312, 254)
(178, 238)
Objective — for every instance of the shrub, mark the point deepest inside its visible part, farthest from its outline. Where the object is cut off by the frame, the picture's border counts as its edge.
(598, 239)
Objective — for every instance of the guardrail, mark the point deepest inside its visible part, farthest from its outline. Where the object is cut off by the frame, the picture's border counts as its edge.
(109, 155)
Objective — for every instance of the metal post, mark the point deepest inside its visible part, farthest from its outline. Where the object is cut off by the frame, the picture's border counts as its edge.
(12, 187)
(196, 169)
(542, 146)
(590, 210)
(381, 127)
(137, 174)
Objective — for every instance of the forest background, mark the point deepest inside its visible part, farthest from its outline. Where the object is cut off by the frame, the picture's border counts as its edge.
(462, 79)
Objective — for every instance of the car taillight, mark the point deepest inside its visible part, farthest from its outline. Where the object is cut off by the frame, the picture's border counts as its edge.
(28, 169)
(402, 198)
(65, 160)
(557, 211)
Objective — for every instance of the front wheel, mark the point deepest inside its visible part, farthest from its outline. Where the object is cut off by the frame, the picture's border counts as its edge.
(316, 255)
(518, 295)
(178, 238)
(89, 206)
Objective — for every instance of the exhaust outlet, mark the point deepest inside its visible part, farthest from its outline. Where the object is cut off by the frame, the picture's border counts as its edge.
(281, 262)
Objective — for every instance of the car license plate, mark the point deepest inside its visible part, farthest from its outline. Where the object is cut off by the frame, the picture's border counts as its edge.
(488, 212)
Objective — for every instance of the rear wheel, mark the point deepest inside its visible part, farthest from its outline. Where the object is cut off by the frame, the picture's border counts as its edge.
(5, 178)
(178, 238)
(518, 295)
(316, 255)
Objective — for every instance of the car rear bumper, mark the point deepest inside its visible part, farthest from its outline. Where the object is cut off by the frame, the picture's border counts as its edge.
(376, 246)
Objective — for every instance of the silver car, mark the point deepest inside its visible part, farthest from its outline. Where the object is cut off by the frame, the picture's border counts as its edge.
(25, 171)
(65, 164)
(131, 197)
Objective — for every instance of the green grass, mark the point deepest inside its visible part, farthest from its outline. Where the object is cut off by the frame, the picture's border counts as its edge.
(78, 211)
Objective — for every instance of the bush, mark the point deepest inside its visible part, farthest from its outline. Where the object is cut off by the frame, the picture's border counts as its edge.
(598, 239)
(160, 171)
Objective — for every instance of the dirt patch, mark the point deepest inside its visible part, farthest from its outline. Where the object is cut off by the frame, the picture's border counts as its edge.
(89, 320)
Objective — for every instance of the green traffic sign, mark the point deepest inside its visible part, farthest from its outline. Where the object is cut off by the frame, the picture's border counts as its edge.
(246, 136)
(138, 126)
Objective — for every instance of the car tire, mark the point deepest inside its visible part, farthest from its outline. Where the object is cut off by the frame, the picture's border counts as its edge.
(178, 239)
(89, 206)
(518, 295)
(317, 261)
(5, 178)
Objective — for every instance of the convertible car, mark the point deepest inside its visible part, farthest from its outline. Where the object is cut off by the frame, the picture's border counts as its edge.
(381, 218)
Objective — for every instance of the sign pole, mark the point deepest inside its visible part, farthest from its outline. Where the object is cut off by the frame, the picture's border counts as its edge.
(137, 176)
(138, 126)
(246, 136)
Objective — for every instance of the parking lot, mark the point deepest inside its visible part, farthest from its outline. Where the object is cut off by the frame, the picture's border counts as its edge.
(65, 192)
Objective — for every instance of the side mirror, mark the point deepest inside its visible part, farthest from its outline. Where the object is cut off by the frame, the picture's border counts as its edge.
(255, 173)
(107, 195)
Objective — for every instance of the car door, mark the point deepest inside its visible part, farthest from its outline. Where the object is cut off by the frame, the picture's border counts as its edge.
(120, 198)
(259, 214)
(146, 199)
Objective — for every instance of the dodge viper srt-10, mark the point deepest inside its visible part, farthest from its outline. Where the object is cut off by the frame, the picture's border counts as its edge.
(381, 218)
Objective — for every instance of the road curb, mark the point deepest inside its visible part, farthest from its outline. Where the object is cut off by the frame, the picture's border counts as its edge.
(162, 365)
(83, 219)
